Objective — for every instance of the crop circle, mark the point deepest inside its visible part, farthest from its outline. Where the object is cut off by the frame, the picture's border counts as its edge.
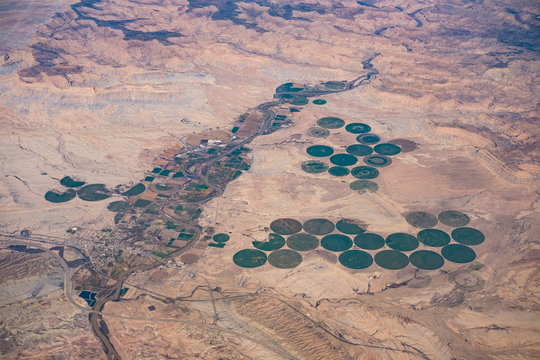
(368, 139)
(274, 242)
(358, 128)
(377, 160)
(355, 259)
(364, 172)
(402, 242)
(330, 122)
(433, 237)
(453, 218)
(339, 171)
(359, 150)
(285, 226)
(336, 242)
(421, 219)
(314, 166)
(458, 253)
(468, 236)
(318, 226)
(391, 259)
(284, 259)
(426, 259)
(320, 150)
(387, 149)
(249, 258)
(302, 242)
(349, 227)
(369, 241)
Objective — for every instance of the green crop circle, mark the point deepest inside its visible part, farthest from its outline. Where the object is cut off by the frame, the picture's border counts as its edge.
(468, 236)
(318, 226)
(339, 171)
(391, 259)
(274, 242)
(359, 150)
(318, 132)
(358, 128)
(421, 219)
(319, 101)
(364, 172)
(355, 259)
(458, 253)
(249, 258)
(330, 122)
(57, 197)
(369, 241)
(402, 242)
(433, 237)
(362, 185)
(343, 159)
(320, 150)
(426, 259)
(453, 218)
(221, 237)
(348, 227)
(336, 242)
(387, 149)
(377, 160)
(284, 259)
(302, 242)
(285, 226)
(368, 139)
(314, 166)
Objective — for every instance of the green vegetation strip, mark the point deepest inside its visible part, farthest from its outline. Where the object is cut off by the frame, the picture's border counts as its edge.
(364, 172)
(330, 122)
(458, 253)
(221, 237)
(284, 259)
(358, 128)
(318, 226)
(349, 227)
(136, 190)
(140, 203)
(56, 197)
(319, 102)
(421, 219)
(339, 171)
(69, 182)
(402, 242)
(433, 237)
(249, 258)
(355, 259)
(302, 242)
(336, 242)
(318, 132)
(343, 160)
(334, 85)
(391, 259)
(274, 242)
(314, 167)
(359, 150)
(285, 226)
(93, 192)
(320, 150)
(369, 241)
(362, 185)
(387, 149)
(427, 260)
(453, 218)
(368, 139)
(377, 160)
(468, 236)
(118, 206)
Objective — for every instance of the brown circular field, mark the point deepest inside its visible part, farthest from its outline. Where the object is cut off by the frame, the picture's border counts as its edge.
(189, 258)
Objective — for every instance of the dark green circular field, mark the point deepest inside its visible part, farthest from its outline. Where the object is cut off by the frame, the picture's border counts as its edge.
(93, 192)
(355, 259)
(118, 206)
(349, 227)
(453, 218)
(285, 259)
(458, 253)
(369, 241)
(404, 144)
(391, 259)
(421, 219)
(285, 226)
(362, 185)
(314, 167)
(249, 258)
(221, 237)
(302, 242)
(427, 260)
(334, 85)
(69, 182)
(339, 171)
(365, 172)
(387, 149)
(318, 132)
(358, 128)
(320, 150)
(136, 190)
(402, 242)
(377, 160)
(319, 102)
(274, 242)
(330, 122)
(343, 160)
(359, 150)
(319, 226)
(368, 139)
(433, 237)
(336, 242)
(468, 236)
(56, 197)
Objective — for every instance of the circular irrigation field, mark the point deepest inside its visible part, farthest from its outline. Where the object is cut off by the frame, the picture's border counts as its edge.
(468, 236)
(402, 242)
(285, 226)
(336, 242)
(453, 218)
(368, 139)
(355, 259)
(314, 167)
(284, 259)
(377, 160)
(319, 226)
(330, 122)
(274, 242)
(339, 171)
(250, 258)
(387, 149)
(359, 150)
(365, 172)
(426, 259)
(358, 128)
(343, 159)
(433, 237)
(362, 185)
(369, 241)
(349, 227)
(221, 237)
(391, 259)
(302, 242)
(320, 150)
(318, 132)
(458, 253)
(421, 219)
